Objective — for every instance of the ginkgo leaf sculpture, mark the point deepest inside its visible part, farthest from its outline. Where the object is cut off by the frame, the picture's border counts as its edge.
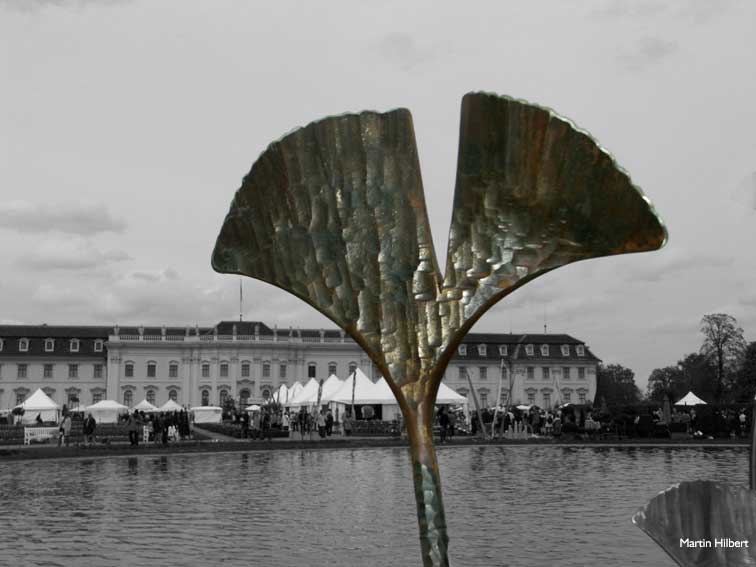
(334, 213)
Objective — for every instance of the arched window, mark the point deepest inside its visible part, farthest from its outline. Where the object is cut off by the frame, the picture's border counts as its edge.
(173, 369)
(128, 398)
(244, 395)
(129, 370)
(352, 367)
(173, 395)
(151, 369)
(74, 345)
(265, 393)
(332, 368)
(205, 397)
(312, 370)
(223, 397)
(151, 396)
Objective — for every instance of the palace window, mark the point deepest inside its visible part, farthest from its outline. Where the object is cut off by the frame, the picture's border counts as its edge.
(531, 398)
(172, 395)
(73, 370)
(462, 350)
(49, 345)
(265, 393)
(129, 370)
(282, 371)
(97, 371)
(530, 372)
(566, 372)
(245, 370)
(462, 391)
(567, 396)
(580, 349)
(529, 350)
(482, 350)
(74, 345)
(581, 373)
(332, 368)
(20, 396)
(244, 397)
(206, 370)
(1, 345)
(483, 398)
(462, 373)
(73, 399)
(544, 350)
(151, 369)
(581, 397)
(128, 398)
(547, 400)
(352, 367)
(266, 370)
(546, 373)
(173, 370)
(23, 345)
(205, 397)
(502, 350)
(96, 397)
(151, 396)
(98, 345)
(22, 370)
(565, 350)
(224, 370)
(47, 371)
(483, 373)
(223, 397)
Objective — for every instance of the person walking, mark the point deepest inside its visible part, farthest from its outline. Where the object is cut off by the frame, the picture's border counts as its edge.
(329, 423)
(89, 428)
(266, 424)
(321, 424)
(443, 422)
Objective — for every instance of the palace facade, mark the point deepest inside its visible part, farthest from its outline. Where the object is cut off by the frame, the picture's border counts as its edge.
(248, 361)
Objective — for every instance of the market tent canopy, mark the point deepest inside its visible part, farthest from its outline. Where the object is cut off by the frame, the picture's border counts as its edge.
(170, 405)
(207, 414)
(384, 395)
(296, 387)
(304, 394)
(365, 391)
(40, 404)
(690, 399)
(448, 396)
(106, 411)
(253, 407)
(330, 386)
(145, 406)
(281, 395)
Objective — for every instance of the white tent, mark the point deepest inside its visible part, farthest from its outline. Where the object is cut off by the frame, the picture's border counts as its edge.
(304, 394)
(330, 386)
(296, 387)
(106, 411)
(207, 414)
(170, 405)
(365, 391)
(145, 406)
(281, 395)
(690, 399)
(448, 396)
(40, 404)
(390, 408)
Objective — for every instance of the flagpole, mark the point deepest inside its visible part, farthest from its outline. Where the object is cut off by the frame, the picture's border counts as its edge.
(498, 398)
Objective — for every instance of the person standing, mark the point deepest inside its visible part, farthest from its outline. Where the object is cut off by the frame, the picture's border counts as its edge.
(285, 422)
(89, 428)
(245, 425)
(443, 422)
(321, 424)
(266, 424)
(346, 423)
(329, 423)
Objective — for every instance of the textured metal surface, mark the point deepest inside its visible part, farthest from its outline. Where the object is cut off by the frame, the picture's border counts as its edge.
(703, 511)
(335, 213)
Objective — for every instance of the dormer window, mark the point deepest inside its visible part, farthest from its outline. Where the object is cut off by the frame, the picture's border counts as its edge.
(580, 349)
(49, 345)
(462, 350)
(502, 350)
(529, 350)
(482, 350)
(23, 345)
(565, 350)
(1, 345)
(98, 345)
(544, 350)
(74, 345)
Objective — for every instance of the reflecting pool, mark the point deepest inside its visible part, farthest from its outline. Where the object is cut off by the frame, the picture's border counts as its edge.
(505, 505)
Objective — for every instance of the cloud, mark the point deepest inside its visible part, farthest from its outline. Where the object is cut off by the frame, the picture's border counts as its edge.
(401, 50)
(623, 9)
(647, 51)
(31, 5)
(81, 218)
(745, 192)
(69, 253)
(671, 262)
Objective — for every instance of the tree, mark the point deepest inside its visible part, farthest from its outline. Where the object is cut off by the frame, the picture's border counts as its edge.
(616, 384)
(743, 386)
(666, 382)
(723, 344)
(699, 375)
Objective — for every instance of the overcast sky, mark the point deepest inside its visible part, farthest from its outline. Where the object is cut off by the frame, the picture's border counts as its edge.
(126, 128)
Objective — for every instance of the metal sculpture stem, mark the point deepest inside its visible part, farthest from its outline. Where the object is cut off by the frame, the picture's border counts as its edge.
(434, 541)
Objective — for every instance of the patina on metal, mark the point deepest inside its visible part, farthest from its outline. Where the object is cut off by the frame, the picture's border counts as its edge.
(335, 214)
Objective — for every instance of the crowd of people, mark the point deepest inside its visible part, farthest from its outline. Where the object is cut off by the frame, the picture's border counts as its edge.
(156, 427)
